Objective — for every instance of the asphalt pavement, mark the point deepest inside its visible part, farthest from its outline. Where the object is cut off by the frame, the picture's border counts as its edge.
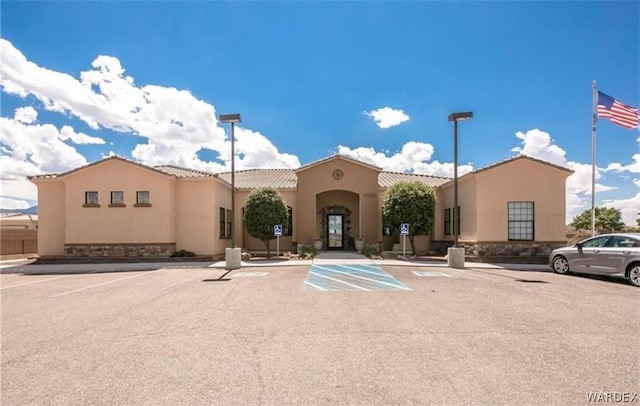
(259, 337)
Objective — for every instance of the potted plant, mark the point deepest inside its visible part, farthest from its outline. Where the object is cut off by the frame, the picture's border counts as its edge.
(317, 243)
(359, 245)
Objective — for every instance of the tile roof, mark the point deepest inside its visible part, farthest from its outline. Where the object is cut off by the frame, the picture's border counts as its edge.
(181, 172)
(512, 159)
(386, 179)
(111, 158)
(287, 178)
(255, 178)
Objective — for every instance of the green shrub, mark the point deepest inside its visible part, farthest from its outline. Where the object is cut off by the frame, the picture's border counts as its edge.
(307, 251)
(183, 253)
(370, 251)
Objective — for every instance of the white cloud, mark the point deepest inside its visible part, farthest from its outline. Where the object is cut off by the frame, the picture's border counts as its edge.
(633, 167)
(538, 144)
(445, 169)
(636, 182)
(26, 115)
(176, 124)
(386, 117)
(67, 133)
(9, 203)
(412, 157)
(30, 149)
(628, 207)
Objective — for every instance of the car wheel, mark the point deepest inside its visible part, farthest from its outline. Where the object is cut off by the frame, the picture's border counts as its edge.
(560, 265)
(634, 274)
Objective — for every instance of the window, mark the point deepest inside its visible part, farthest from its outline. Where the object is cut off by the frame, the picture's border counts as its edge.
(521, 220)
(117, 199)
(288, 230)
(91, 199)
(447, 229)
(597, 242)
(447, 221)
(142, 199)
(225, 222)
(623, 242)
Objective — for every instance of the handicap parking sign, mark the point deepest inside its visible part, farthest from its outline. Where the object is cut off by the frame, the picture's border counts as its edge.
(404, 229)
(277, 230)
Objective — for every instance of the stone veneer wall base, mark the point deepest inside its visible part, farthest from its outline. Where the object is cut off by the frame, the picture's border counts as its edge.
(120, 250)
(503, 248)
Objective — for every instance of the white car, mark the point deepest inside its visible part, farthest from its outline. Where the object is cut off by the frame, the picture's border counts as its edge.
(616, 254)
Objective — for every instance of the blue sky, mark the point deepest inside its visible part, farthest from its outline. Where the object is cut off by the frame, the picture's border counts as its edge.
(144, 80)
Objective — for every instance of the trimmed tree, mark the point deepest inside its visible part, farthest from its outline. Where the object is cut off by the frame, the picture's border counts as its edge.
(410, 202)
(608, 219)
(264, 209)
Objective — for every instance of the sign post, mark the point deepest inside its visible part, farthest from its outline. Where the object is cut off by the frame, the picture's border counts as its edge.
(404, 231)
(277, 231)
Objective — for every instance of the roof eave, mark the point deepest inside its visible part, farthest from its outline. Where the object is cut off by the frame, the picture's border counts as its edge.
(335, 157)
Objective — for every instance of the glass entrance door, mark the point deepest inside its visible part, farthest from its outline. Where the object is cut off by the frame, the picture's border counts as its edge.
(334, 231)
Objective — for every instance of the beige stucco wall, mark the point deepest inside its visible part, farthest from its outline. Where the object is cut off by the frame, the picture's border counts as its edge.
(51, 217)
(357, 178)
(249, 243)
(521, 180)
(104, 224)
(467, 189)
(186, 211)
(198, 203)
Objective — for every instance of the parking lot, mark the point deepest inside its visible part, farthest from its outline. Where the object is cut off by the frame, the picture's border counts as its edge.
(179, 336)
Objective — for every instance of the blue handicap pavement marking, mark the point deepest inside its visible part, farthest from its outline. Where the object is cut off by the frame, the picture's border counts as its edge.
(364, 278)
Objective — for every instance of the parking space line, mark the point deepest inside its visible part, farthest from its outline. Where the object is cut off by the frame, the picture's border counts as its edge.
(470, 272)
(315, 286)
(362, 270)
(338, 280)
(104, 283)
(31, 283)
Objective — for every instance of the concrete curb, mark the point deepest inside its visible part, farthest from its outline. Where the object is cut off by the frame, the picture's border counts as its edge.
(30, 269)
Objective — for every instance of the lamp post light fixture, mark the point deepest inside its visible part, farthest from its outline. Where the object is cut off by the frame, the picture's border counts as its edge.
(455, 117)
(232, 257)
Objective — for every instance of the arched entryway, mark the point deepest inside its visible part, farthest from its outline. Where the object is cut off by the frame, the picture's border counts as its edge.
(338, 219)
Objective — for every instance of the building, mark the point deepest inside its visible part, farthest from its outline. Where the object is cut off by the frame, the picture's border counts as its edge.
(18, 221)
(116, 207)
(18, 234)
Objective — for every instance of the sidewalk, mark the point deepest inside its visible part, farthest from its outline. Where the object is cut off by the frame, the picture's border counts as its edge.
(31, 269)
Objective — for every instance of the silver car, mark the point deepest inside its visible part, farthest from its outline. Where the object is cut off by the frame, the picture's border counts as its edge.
(606, 254)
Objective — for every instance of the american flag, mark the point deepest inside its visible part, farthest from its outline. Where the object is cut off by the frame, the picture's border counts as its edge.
(618, 113)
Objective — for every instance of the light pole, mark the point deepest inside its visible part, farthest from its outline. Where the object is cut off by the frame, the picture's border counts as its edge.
(233, 256)
(455, 117)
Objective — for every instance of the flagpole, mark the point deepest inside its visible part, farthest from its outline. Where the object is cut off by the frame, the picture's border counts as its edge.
(593, 159)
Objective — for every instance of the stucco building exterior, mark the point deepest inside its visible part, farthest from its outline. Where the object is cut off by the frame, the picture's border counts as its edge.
(116, 207)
